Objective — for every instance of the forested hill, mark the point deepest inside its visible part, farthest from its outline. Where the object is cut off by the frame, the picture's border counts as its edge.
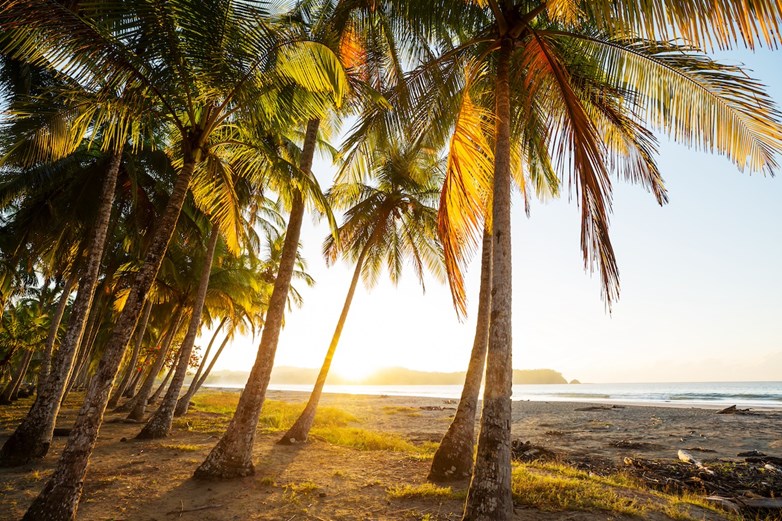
(389, 376)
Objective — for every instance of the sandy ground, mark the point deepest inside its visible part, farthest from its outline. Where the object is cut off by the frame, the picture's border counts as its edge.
(131, 480)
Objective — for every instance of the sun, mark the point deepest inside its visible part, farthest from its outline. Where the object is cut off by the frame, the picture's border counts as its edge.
(353, 369)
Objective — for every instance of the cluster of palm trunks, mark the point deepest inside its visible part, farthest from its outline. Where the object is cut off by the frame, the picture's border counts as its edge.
(152, 151)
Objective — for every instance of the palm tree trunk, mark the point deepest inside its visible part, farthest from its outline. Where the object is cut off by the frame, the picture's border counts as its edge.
(12, 387)
(33, 436)
(300, 430)
(140, 330)
(184, 402)
(453, 459)
(232, 456)
(60, 497)
(489, 497)
(184, 406)
(54, 327)
(159, 425)
(139, 407)
(160, 388)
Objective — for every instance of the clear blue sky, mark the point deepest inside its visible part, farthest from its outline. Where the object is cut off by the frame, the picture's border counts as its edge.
(701, 282)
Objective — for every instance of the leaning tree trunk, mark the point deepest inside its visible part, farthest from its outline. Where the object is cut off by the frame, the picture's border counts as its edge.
(453, 459)
(139, 407)
(140, 330)
(12, 387)
(489, 497)
(33, 436)
(301, 429)
(184, 402)
(160, 424)
(54, 327)
(59, 498)
(160, 388)
(232, 456)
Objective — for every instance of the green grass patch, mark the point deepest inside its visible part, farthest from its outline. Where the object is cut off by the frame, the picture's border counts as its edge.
(425, 490)
(213, 410)
(563, 488)
(363, 439)
(557, 487)
(181, 447)
(401, 409)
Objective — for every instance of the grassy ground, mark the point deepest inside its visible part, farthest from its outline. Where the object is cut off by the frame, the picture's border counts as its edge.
(350, 470)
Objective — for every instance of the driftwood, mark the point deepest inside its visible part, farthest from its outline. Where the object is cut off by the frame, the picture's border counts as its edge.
(688, 458)
(195, 509)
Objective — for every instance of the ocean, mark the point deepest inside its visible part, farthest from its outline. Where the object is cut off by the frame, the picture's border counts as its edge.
(700, 394)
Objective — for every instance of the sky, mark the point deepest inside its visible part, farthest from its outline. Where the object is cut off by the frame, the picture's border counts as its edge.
(701, 286)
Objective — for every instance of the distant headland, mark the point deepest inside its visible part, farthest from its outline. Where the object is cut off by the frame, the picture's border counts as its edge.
(387, 376)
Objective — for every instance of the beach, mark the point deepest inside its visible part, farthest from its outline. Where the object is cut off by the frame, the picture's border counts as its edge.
(324, 479)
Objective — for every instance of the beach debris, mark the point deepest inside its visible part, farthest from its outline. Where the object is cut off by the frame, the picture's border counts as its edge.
(183, 510)
(436, 408)
(688, 458)
(633, 445)
(724, 503)
(750, 454)
(526, 452)
(735, 410)
(701, 449)
(752, 488)
(597, 408)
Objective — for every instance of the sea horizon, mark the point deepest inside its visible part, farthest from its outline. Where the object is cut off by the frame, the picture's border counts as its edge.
(750, 394)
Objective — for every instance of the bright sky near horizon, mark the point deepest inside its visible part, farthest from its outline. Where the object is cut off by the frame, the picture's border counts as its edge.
(701, 295)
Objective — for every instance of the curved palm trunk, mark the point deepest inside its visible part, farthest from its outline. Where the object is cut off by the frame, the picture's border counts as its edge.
(159, 425)
(453, 459)
(140, 330)
(54, 327)
(139, 405)
(184, 402)
(489, 497)
(60, 497)
(232, 456)
(11, 389)
(160, 388)
(184, 406)
(33, 436)
(300, 430)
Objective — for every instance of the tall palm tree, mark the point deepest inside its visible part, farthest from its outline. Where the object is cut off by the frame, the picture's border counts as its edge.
(393, 218)
(560, 51)
(187, 74)
(339, 26)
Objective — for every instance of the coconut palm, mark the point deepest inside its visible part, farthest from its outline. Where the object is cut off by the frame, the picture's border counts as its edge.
(393, 218)
(560, 52)
(184, 73)
(360, 35)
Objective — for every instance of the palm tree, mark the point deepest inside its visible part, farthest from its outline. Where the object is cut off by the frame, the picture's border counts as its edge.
(560, 51)
(336, 25)
(187, 75)
(391, 219)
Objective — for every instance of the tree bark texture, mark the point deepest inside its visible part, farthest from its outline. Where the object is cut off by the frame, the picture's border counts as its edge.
(141, 329)
(11, 389)
(489, 497)
(159, 425)
(232, 456)
(54, 327)
(60, 496)
(453, 460)
(139, 407)
(33, 436)
(184, 402)
(160, 388)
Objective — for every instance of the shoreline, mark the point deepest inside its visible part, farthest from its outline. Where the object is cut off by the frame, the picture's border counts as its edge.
(673, 404)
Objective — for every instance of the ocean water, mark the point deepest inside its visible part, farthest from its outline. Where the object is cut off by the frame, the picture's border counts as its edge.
(701, 394)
